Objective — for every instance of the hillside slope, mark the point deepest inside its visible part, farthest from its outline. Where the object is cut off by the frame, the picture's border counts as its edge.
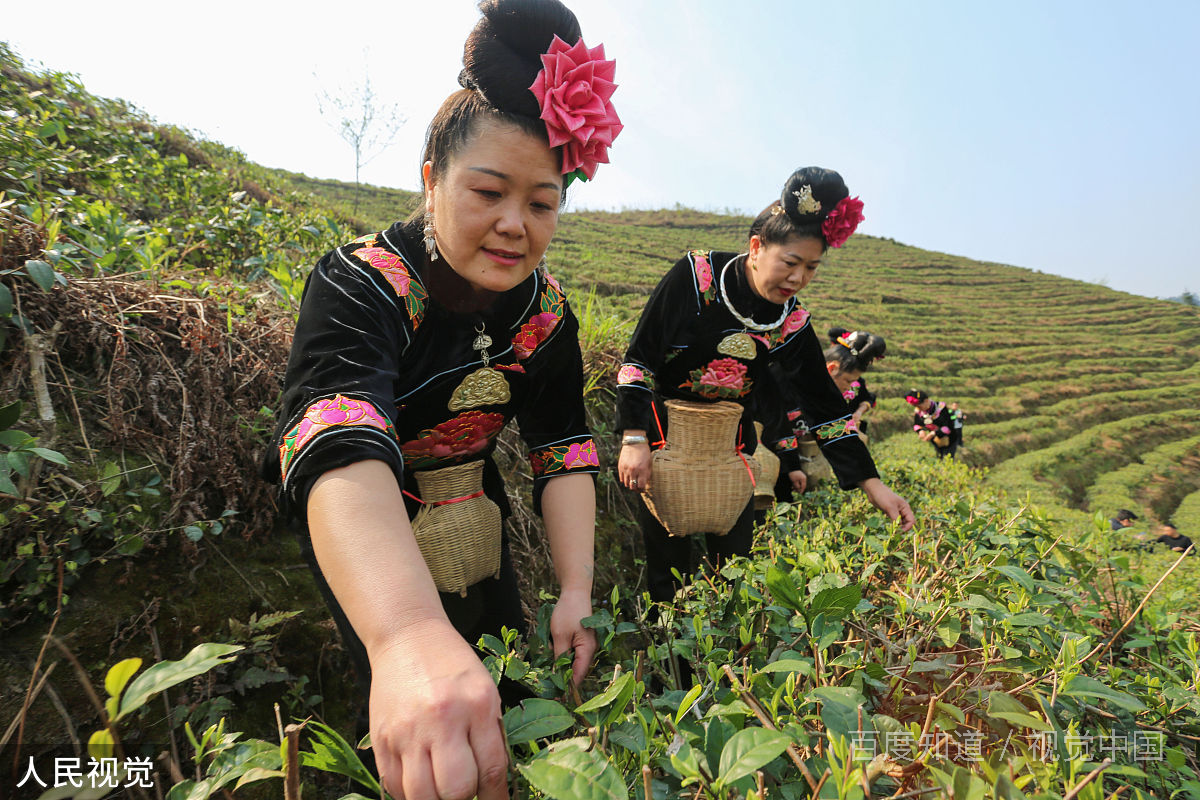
(147, 288)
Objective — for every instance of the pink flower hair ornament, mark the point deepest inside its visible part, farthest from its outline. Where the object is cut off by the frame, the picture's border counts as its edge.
(574, 89)
(842, 221)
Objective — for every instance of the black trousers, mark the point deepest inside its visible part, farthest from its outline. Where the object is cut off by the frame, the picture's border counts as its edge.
(664, 552)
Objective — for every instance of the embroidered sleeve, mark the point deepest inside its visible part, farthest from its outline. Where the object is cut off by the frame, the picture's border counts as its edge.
(677, 298)
(805, 380)
(337, 405)
(553, 423)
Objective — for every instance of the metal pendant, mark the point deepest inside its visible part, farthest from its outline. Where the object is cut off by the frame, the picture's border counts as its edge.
(483, 387)
(738, 345)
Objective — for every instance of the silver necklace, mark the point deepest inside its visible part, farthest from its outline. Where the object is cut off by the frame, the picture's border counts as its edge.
(749, 323)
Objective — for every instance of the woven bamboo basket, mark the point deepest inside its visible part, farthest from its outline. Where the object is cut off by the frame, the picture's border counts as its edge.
(766, 475)
(699, 483)
(814, 464)
(458, 533)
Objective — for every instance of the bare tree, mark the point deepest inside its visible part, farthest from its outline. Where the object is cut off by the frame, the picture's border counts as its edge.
(364, 123)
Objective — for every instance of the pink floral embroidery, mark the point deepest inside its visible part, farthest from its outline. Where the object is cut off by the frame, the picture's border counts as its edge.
(630, 374)
(574, 90)
(581, 454)
(559, 458)
(721, 378)
(704, 273)
(390, 264)
(852, 426)
(842, 221)
(533, 333)
(794, 322)
(325, 414)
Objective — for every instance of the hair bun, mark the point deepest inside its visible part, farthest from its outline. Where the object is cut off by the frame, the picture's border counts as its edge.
(811, 193)
(502, 55)
(836, 333)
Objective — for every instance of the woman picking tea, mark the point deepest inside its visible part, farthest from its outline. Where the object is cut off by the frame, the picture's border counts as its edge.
(707, 334)
(414, 348)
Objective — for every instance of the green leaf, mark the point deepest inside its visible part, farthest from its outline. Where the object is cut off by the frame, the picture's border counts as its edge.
(688, 701)
(836, 603)
(1021, 720)
(13, 438)
(41, 273)
(749, 750)
(258, 774)
(118, 676)
(100, 745)
(6, 484)
(194, 533)
(839, 709)
(783, 589)
(9, 414)
(1083, 686)
(50, 455)
(331, 753)
(1030, 619)
(569, 771)
(6, 303)
(166, 674)
(949, 630)
(609, 695)
(19, 461)
(536, 718)
(1017, 576)
(805, 667)
(110, 478)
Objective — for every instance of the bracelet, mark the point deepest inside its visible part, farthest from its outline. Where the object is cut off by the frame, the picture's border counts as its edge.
(633, 438)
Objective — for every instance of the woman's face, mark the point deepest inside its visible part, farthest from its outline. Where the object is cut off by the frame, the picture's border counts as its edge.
(778, 271)
(842, 377)
(496, 207)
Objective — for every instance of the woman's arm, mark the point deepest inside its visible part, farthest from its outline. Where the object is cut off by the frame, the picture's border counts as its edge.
(569, 511)
(434, 709)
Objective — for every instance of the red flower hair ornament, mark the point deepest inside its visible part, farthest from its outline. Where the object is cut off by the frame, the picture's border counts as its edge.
(574, 89)
(842, 221)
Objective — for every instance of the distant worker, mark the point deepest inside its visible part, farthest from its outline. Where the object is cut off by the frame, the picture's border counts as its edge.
(1124, 519)
(849, 355)
(1172, 538)
(932, 422)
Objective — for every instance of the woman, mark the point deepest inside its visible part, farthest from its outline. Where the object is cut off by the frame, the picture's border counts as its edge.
(848, 356)
(932, 422)
(414, 347)
(708, 332)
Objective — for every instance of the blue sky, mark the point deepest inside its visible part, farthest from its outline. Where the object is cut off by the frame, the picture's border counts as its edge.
(1061, 136)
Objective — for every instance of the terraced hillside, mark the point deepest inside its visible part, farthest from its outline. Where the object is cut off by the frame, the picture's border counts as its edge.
(1085, 396)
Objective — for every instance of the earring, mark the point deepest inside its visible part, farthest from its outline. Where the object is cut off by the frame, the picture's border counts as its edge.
(430, 242)
(541, 266)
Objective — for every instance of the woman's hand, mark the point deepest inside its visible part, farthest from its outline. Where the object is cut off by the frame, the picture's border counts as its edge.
(568, 634)
(887, 501)
(435, 718)
(799, 480)
(633, 467)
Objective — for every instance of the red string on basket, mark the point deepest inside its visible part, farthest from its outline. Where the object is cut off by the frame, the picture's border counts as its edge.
(750, 472)
(662, 437)
(437, 503)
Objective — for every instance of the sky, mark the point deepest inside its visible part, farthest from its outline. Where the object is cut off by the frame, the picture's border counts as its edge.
(1061, 136)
